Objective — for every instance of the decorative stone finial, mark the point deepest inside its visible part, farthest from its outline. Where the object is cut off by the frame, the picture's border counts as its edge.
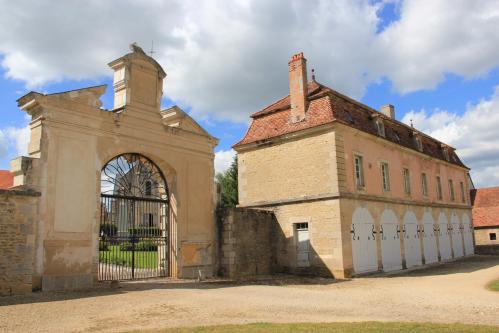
(134, 47)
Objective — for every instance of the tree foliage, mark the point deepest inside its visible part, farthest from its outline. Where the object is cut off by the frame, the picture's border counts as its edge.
(228, 184)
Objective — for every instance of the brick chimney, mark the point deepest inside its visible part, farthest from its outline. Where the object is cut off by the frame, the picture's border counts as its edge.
(298, 87)
(388, 110)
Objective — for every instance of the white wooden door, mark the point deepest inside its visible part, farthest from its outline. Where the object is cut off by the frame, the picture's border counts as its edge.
(430, 243)
(468, 236)
(362, 232)
(444, 238)
(457, 238)
(303, 248)
(412, 246)
(390, 242)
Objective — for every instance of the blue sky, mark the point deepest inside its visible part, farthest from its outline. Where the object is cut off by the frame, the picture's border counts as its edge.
(436, 61)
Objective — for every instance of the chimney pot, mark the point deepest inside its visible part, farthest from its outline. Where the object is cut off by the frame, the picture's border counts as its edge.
(298, 86)
(388, 110)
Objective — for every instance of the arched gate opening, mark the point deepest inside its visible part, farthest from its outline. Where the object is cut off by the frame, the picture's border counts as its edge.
(133, 233)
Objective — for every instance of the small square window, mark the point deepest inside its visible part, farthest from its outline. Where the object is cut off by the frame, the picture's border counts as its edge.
(301, 226)
(492, 236)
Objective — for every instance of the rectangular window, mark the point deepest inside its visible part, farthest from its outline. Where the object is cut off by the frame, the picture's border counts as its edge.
(424, 184)
(451, 190)
(463, 198)
(385, 175)
(407, 181)
(439, 188)
(359, 171)
(492, 236)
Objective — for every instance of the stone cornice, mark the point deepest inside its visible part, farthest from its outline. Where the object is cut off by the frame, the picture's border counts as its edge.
(353, 196)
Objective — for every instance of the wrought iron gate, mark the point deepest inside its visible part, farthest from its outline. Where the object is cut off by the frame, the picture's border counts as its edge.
(133, 233)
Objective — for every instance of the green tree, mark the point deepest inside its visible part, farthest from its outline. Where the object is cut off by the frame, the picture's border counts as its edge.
(228, 184)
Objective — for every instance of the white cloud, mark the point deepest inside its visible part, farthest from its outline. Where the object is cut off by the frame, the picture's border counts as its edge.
(474, 134)
(436, 37)
(227, 59)
(14, 139)
(223, 160)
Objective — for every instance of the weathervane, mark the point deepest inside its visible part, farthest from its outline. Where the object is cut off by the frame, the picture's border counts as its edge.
(152, 48)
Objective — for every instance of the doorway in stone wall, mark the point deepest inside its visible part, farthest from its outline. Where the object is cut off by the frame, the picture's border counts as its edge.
(133, 232)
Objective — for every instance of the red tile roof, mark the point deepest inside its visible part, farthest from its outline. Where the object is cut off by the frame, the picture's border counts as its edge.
(326, 106)
(6, 179)
(485, 202)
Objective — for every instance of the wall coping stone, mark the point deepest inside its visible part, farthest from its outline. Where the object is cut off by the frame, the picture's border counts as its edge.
(19, 191)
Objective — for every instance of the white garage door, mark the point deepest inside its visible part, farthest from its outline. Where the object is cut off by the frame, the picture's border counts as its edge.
(457, 237)
(390, 242)
(412, 245)
(365, 257)
(444, 238)
(429, 239)
(468, 236)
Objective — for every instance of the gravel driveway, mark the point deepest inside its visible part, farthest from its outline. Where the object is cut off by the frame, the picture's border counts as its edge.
(448, 293)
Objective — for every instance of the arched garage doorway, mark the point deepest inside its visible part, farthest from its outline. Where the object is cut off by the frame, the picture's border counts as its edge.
(133, 233)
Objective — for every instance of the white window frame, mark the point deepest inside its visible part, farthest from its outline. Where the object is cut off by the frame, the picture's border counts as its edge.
(380, 126)
(385, 176)
(358, 175)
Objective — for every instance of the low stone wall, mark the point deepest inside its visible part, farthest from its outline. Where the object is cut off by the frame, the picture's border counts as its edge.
(487, 249)
(17, 237)
(246, 243)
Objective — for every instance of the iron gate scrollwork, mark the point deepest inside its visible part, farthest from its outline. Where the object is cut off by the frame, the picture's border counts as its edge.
(133, 233)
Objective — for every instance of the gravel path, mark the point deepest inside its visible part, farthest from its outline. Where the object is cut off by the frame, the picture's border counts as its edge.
(448, 293)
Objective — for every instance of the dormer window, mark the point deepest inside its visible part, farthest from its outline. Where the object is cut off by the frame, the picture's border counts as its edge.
(419, 144)
(446, 154)
(396, 136)
(349, 117)
(380, 127)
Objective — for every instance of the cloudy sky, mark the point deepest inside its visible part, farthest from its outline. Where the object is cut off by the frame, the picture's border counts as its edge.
(436, 61)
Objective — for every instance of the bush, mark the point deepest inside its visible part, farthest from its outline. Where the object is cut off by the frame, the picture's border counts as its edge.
(103, 246)
(126, 246)
(108, 229)
(144, 245)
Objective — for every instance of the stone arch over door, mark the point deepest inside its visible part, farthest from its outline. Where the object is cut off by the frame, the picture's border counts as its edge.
(363, 235)
(412, 245)
(170, 175)
(390, 241)
(134, 228)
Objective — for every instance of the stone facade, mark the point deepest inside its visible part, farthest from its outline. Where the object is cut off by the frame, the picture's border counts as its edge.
(17, 240)
(305, 172)
(246, 243)
(73, 138)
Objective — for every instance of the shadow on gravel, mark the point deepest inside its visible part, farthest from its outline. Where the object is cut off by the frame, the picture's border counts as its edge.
(102, 289)
(107, 288)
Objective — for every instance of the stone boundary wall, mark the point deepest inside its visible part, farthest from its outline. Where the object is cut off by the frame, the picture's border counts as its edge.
(17, 240)
(246, 246)
(487, 249)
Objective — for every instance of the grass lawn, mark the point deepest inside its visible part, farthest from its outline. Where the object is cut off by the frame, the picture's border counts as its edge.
(494, 285)
(365, 327)
(143, 259)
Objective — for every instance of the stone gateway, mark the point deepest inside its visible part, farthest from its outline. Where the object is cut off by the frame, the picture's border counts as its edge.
(156, 166)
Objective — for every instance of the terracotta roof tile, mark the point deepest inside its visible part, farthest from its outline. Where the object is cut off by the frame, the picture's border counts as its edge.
(485, 202)
(327, 105)
(6, 179)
